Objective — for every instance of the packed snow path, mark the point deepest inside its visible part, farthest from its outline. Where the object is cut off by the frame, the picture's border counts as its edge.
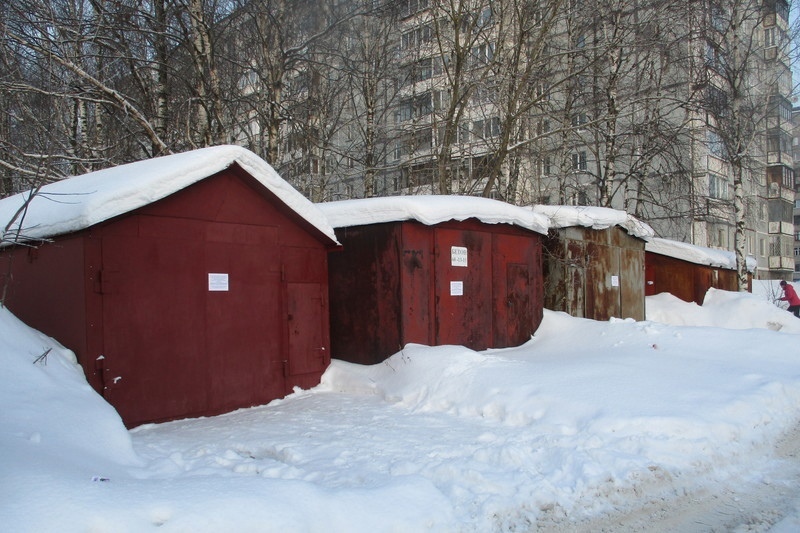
(591, 426)
(366, 446)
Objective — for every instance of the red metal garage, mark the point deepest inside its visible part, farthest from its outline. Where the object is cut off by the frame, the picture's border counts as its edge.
(594, 262)
(432, 270)
(687, 271)
(187, 285)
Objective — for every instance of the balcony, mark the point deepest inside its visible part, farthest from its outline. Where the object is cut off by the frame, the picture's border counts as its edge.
(779, 158)
(781, 228)
(775, 191)
(777, 262)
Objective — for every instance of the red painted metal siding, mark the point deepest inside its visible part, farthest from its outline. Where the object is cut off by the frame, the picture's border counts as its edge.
(417, 317)
(685, 280)
(161, 340)
(365, 294)
(53, 304)
(493, 301)
(517, 290)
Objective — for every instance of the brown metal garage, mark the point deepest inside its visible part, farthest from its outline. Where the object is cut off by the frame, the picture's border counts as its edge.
(594, 262)
(687, 271)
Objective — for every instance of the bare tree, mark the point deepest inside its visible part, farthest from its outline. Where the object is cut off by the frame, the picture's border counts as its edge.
(369, 65)
(521, 68)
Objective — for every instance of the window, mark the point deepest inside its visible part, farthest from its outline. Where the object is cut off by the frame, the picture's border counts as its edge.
(544, 127)
(423, 139)
(413, 39)
(717, 187)
(485, 129)
(409, 7)
(494, 127)
(441, 100)
(780, 107)
(775, 246)
(579, 161)
(762, 247)
(404, 112)
(486, 18)
(797, 252)
(717, 16)
(778, 141)
(440, 64)
(402, 180)
(543, 91)
(770, 38)
(481, 55)
(424, 70)
(579, 119)
(716, 101)
(419, 71)
(463, 133)
(716, 146)
(423, 105)
(781, 175)
(713, 57)
(547, 168)
(398, 151)
(482, 95)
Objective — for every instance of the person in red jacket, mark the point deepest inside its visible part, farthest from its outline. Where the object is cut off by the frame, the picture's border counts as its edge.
(789, 295)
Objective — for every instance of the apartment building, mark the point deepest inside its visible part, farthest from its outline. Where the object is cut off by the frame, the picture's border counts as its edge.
(796, 211)
(780, 174)
(636, 121)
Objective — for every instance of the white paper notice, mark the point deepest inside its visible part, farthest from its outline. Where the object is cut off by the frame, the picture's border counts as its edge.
(217, 282)
(615, 281)
(458, 256)
(456, 288)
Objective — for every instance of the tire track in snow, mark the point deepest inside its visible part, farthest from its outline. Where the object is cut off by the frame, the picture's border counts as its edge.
(753, 503)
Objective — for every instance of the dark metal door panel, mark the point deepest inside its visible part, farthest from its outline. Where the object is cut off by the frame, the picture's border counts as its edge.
(417, 309)
(463, 294)
(153, 319)
(632, 280)
(575, 279)
(308, 344)
(602, 295)
(516, 263)
(244, 327)
(519, 324)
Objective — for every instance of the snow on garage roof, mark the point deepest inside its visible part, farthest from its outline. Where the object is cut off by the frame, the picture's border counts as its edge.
(564, 216)
(696, 254)
(430, 210)
(82, 201)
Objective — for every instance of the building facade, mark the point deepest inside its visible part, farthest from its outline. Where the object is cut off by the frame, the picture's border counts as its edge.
(796, 211)
(677, 112)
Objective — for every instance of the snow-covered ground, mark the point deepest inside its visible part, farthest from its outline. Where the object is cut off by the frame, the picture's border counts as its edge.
(685, 422)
